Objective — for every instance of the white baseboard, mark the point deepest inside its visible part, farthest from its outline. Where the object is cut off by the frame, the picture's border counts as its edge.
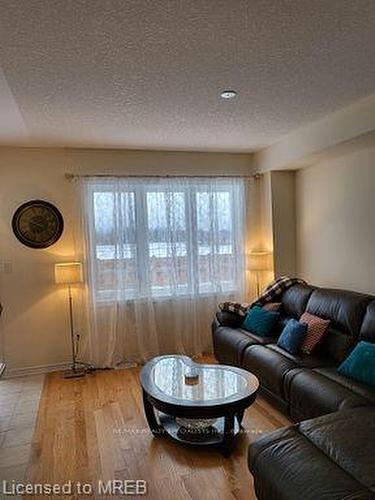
(34, 370)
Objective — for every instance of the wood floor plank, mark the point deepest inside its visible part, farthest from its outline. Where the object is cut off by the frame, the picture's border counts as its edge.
(94, 429)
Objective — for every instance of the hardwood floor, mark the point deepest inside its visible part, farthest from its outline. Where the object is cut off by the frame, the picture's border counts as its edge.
(94, 429)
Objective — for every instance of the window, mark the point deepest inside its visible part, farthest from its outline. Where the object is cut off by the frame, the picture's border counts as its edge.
(164, 237)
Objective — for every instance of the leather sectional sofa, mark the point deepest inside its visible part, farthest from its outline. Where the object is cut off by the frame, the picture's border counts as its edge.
(330, 453)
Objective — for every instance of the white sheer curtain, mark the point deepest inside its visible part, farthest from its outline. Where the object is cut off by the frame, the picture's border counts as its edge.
(160, 254)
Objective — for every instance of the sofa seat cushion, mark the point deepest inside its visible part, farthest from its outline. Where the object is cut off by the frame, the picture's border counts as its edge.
(230, 343)
(316, 459)
(257, 339)
(304, 360)
(271, 363)
(311, 394)
(269, 366)
(348, 439)
(358, 388)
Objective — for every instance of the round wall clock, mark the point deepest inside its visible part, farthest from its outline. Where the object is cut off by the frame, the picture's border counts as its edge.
(37, 224)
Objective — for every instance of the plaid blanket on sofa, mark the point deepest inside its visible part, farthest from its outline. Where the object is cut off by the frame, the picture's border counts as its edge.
(235, 307)
(271, 294)
(276, 288)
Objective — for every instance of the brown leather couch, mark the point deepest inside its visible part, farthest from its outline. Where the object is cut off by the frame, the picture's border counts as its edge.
(331, 455)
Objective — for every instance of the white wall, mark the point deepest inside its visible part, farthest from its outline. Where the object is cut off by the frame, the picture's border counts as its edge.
(35, 323)
(336, 222)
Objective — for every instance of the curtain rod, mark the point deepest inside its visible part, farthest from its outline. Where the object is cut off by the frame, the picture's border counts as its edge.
(71, 176)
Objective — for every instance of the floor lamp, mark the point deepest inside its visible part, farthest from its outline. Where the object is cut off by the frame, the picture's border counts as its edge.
(259, 262)
(70, 273)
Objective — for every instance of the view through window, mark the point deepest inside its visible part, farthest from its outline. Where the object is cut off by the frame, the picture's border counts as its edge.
(173, 237)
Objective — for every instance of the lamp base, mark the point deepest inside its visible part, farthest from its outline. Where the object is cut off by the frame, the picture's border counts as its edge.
(75, 373)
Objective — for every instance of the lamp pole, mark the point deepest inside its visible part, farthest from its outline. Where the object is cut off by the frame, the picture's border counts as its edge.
(258, 285)
(69, 273)
(74, 372)
(72, 327)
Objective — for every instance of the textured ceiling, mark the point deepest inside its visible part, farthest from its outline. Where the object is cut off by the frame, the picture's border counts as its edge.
(147, 73)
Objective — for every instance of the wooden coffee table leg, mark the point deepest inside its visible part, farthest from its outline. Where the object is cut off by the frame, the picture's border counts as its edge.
(155, 427)
(240, 415)
(228, 440)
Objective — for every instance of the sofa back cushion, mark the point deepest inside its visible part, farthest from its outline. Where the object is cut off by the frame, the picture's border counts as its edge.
(294, 300)
(336, 345)
(345, 310)
(293, 305)
(368, 326)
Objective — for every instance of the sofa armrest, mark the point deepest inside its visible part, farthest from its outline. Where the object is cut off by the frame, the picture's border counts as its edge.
(227, 318)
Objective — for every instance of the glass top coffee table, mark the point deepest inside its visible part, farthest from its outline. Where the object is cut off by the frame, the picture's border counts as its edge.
(196, 404)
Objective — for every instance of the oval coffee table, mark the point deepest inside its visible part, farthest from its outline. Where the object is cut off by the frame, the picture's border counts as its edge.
(198, 404)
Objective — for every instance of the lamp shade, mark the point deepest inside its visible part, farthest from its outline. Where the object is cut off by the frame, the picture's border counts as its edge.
(260, 261)
(68, 273)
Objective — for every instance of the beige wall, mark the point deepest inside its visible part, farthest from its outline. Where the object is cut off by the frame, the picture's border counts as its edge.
(336, 222)
(35, 323)
(284, 222)
(265, 236)
(278, 221)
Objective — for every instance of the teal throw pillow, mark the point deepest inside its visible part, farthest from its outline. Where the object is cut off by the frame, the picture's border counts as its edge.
(260, 322)
(360, 364)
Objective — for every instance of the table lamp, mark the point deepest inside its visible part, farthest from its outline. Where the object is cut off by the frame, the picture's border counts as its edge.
(70, 273)
(259, 262)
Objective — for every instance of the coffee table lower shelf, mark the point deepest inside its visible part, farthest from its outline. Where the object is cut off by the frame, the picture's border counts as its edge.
(215, 436)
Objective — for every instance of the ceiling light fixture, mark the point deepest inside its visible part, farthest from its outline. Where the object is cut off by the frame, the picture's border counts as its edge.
(228, 94)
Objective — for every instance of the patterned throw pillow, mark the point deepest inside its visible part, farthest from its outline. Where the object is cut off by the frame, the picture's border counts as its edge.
(234, 307)
(272, 306)
(316, 329)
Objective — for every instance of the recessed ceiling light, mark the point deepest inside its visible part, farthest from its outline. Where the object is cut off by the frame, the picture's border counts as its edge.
(228, 94)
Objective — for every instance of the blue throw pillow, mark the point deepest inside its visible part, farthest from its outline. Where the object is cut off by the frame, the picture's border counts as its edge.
(292, 336)
(259, 321)
(360, 364)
